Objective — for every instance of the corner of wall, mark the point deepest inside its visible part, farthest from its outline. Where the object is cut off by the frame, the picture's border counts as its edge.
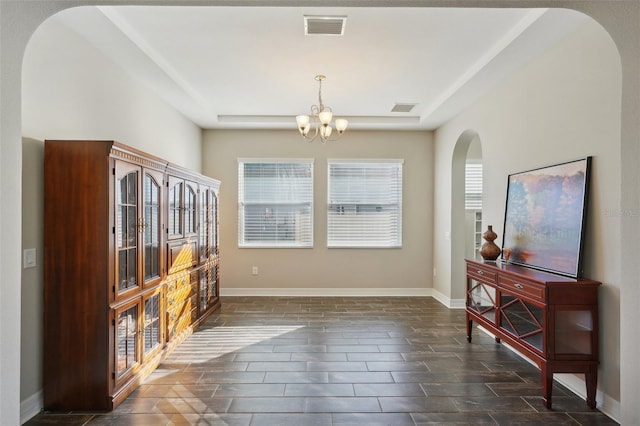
(31, 406)
(447, 301)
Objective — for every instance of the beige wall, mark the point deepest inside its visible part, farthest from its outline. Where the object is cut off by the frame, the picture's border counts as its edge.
(320, 270)
(563, 106)
(32, 295)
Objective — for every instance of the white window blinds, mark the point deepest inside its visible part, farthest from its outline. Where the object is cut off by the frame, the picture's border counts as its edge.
(275, 202)
(364, 203)
(473, 186)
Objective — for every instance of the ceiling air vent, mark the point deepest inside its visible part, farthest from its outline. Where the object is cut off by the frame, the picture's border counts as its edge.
(403, 107)
(324, 25)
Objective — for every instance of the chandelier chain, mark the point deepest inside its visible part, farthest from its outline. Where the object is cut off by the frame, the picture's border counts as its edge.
(321, 106)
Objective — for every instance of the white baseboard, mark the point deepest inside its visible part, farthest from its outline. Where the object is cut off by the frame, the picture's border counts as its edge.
(575, 384)
(446, 301)
(327, 292)
(31, 406)
(604, 403)
(346, 292)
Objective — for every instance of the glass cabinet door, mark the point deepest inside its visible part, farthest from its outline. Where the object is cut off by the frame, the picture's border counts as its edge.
(152, 226)
(204, 223)
(183, 216)
(190, 213)
(208, 281)
(126, 340)
(214, 223)
(573, 332)
(176, 190)
(152, 331)
(481, 298)
(522, 319)
(208, 223)
(126, 232)
(202, 283)
(213, 282)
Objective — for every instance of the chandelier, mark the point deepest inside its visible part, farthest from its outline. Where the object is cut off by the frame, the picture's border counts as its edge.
(321, 116)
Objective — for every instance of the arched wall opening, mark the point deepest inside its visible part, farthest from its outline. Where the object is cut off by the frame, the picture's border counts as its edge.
(459, 230)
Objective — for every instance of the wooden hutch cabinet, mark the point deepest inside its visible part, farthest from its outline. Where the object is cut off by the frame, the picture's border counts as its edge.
(551, 319)
(128, 238)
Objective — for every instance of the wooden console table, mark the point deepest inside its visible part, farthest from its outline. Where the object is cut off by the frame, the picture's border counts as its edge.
(551, 319)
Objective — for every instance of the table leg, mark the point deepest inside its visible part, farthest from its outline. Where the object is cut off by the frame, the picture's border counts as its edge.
(591, 379)
(547, 385)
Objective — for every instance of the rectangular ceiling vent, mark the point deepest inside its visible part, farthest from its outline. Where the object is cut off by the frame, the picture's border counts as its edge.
(403, 107)
(324, 25)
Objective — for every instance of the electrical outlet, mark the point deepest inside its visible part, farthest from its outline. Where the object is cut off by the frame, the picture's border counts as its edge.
(254, 270)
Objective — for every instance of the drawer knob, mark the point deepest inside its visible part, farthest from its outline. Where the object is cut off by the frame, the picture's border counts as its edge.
(480, 272)
(517, 285)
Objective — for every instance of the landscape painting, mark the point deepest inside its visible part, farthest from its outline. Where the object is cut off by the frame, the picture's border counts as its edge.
(545, 217)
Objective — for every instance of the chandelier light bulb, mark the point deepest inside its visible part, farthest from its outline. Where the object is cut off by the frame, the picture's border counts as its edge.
(341, 125)
(302, 120)
(325, 117)
(325, 132)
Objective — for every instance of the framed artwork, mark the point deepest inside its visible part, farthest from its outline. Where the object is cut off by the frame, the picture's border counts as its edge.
(545, 217)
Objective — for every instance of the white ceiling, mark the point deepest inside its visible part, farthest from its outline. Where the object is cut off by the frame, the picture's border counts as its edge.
(253, 67)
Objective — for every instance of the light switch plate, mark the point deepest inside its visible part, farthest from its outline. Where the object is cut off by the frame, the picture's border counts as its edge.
(29, 259)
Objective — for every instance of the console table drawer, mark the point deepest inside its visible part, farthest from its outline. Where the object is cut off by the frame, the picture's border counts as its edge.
(520, 287)
(482, 273)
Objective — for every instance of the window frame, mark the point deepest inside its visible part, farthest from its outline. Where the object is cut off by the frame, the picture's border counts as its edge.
(243, 203)
(395, 243)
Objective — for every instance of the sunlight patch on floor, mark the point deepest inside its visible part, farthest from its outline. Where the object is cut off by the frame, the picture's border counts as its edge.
(226, 339)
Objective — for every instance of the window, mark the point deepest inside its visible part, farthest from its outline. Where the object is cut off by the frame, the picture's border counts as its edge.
(364, 203)
(473, 186)
(275, 203)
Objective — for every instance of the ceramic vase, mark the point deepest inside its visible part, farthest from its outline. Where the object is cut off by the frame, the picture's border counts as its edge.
(489, 250)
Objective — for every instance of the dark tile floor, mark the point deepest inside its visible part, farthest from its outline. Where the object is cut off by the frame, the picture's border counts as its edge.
(339, 361)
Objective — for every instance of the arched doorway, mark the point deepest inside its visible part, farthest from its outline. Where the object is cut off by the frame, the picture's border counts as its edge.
(468, 150)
